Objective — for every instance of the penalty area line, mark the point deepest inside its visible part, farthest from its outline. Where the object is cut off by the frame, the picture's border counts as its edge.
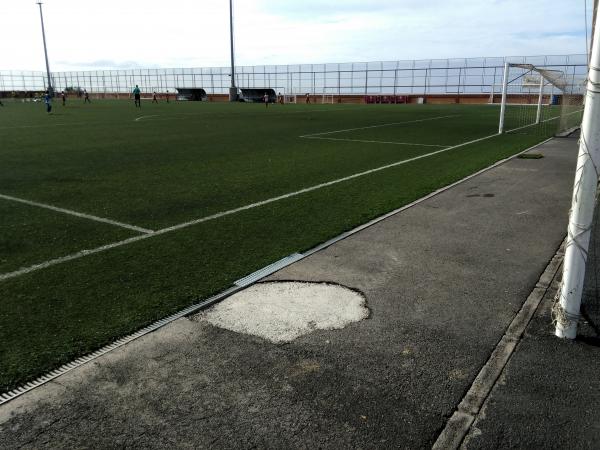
(284, 112)
(43, 125)
(542, 121)
(76, 214)
(380, 125)
(145, 117)
(180, 226)
(372, 142)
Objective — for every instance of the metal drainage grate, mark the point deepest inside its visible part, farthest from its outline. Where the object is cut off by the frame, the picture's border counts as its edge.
(10, 395)
(268, 270)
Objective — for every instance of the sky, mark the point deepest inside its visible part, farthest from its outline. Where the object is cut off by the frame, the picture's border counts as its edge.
(117, 34)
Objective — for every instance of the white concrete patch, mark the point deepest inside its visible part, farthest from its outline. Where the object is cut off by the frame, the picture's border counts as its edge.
(284, 311)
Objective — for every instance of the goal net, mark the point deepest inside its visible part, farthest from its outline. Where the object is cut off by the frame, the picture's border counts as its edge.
(327, 98)
(540, 100)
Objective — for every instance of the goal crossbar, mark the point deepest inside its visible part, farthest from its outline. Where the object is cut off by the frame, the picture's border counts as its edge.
(553, 77)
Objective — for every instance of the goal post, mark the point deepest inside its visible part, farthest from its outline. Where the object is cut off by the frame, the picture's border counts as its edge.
(524, 88)
(566, 310)
(327, 98)
(504, 97)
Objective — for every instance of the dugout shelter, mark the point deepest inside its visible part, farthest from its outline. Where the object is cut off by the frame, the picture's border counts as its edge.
(256, 95)
(191, 94)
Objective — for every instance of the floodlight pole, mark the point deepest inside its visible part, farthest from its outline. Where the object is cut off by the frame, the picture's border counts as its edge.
(504, 92)
(50, 90)
(566, 311)
(594, 16)
(232, 90)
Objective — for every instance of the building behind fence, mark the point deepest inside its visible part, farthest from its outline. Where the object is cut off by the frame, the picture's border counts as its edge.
(464, 76)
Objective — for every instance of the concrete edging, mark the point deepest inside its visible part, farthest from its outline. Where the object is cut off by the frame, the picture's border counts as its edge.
(469, 408)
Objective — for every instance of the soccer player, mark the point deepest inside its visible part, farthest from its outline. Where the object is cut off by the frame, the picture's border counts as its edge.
(154, 100)
(137, 97)
(48, 102)
(167, 96)
(64, 98)
(86, 97)
(307, 97)
(280, 99)
(266, 100)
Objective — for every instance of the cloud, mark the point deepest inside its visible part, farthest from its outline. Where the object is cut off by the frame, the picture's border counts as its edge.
(106, 64)
(188, 33)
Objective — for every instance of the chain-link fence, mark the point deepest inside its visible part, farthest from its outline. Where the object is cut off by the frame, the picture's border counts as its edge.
(418, 77)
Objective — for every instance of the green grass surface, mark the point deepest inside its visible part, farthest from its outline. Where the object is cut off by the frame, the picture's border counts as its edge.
(186, 161)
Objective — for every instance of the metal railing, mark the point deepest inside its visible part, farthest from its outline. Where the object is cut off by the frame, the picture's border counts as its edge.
(416, 77)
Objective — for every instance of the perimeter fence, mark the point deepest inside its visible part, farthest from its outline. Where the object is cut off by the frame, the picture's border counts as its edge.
(415, 77)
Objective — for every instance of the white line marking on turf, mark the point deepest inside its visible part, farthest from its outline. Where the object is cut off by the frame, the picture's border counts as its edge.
(77, 214)
(145, 117)
(43, 125)
(178, 115)
(131, 240)
(373, 142)
(379, 126)
(543, 121)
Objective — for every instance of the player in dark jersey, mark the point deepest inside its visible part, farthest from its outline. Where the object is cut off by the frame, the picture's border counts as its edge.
(137, 97)
(48, 102)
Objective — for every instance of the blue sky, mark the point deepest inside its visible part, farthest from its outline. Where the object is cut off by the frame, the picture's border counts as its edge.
(194, 33)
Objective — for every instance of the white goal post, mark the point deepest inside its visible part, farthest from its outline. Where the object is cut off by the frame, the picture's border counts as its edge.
(327, 98)
(290, 98)
(544, 77)
(566, 310)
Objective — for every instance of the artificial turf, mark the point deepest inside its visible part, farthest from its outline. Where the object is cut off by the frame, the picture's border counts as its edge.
(184, 161)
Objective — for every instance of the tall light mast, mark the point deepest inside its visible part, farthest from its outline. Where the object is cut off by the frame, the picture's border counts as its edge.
(233, 93)
(50, 89)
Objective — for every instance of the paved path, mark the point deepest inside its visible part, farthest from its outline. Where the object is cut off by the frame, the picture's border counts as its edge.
(443, 280)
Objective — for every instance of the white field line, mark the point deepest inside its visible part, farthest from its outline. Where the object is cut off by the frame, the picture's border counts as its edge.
(543, 121)
(131, 240)
(43, 125)
(75, 213)
(145, 117)
(373, 142)
(177, 115)
(346, 108)
(379, 126)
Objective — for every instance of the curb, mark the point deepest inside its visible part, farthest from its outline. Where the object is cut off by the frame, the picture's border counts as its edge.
(468, 409)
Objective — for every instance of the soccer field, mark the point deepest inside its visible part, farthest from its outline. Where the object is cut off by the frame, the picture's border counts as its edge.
(113, 217)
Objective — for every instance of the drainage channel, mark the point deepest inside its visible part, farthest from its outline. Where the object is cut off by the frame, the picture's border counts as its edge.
(238, 285)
